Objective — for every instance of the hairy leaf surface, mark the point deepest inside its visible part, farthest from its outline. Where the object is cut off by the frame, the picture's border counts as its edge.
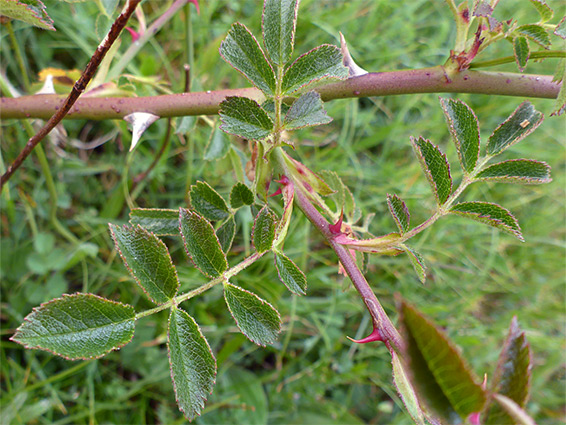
(244, 117)
(322, 62)
(160, 222)
(522, 52)
(306, 111)
(193, 367)
(526, 171)
(241, 195)
(279, 23)
(490, 214)
(465, 131)
(536, 33)
(207, 202)
(522, 122)
(148, 261)
(226, 233)
(264, 230)
(256, 318)
(399, 211)
(78, 326)
(293, 278)
(201, 244)
(435, 167)
(241, 50)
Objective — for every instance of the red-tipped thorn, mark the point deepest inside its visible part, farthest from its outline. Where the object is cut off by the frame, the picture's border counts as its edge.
(474, 418)
(277, 192)
(135, 35)
(195, 2)
(336, 228)
(375, 335)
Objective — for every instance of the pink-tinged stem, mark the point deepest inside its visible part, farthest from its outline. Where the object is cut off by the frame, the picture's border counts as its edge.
(381, 321)
(425, 80)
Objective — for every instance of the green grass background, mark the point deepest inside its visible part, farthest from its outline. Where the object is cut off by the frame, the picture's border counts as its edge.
(478, 277)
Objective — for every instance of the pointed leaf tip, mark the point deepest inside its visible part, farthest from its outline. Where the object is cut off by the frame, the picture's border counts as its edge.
(140, 122)
(435, 166)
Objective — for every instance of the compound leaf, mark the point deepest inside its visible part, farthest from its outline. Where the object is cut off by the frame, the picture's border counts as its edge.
(522, 122)
(322, 62)
(78, 326)
(241, 195)
(293, 277)
(512, 376)
(193, 367)
(30, 11)
(207, 202)
(526, 171)
(306, 111)
(279, 23)
(490, 214)
(242, 51)
(536, 33)
(399, 211)
(264, 230)
(201, 244)
(160, 222)
(244, 117)
(435, 167)
(544, 10)
(256, 318)
(148, 261)
(465, 131)
(226, 233)
(440, 374)
(521, 51)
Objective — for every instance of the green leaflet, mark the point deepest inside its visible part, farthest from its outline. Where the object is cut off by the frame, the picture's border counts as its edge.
(512, 376)
(226, 233)
(293, 278)
(159, 222)
(490, 214)
(241, 195)
(526, 171)
(207, 202)
(399, 211)
(241, 50)
(306, 111)
(522, 52)
(30, 11)
(78, 326)
(256, 318)
(405, 389)
(218, 145)
(545, 12)
(193, 367)
(263, 232)
(278, 24)
(465, 130)
(417, 261)
(148, 261)
(322, 62)
(535, 33)
(244, 117)
(560, 29)
(201, 244)
(522, 122)
(435, 167)
(439, 373)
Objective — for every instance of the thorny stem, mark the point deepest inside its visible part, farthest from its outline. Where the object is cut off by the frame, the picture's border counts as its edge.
(77, 90)
(412, 81)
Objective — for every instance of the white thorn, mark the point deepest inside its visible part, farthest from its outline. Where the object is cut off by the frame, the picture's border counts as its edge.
(140, 123)
(48, 87)
(353, 69)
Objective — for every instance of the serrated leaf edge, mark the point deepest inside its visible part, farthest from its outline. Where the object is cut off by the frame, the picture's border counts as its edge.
(516, 179)
(63, 297)
(276, 253)
(516, 232)
(393, 212)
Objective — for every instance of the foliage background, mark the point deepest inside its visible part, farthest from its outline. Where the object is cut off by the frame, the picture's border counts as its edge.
(478, 278)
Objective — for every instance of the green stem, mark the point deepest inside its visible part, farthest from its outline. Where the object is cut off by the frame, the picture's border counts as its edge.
(19, 57)
(511, 59)
(223, 278)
